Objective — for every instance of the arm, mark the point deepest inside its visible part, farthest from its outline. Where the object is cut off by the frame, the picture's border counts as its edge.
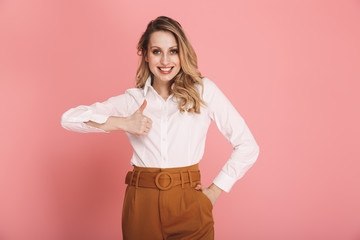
(110, 115)
(234, 128)
(74, 119)
(137, 123)
(112, 124)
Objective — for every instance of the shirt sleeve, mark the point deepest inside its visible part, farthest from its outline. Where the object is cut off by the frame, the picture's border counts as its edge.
(233, 127)
(74, 118)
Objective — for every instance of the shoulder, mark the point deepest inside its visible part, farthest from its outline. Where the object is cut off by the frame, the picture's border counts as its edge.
(135, 96)
(129, 96)
(208, 84)
(209, 87)
(135, 92)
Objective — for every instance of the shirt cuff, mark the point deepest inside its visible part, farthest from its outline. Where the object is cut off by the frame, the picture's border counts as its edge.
(224, 181)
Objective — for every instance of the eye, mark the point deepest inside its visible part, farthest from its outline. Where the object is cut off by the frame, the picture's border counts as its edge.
(174, 51)
(156, 51)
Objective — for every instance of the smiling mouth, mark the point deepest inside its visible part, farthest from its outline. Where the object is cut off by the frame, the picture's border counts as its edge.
(166, 69)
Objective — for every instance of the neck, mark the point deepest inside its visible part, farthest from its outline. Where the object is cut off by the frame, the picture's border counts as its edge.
(163, 89)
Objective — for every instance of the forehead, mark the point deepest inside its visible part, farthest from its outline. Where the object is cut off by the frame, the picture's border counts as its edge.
(162, 39)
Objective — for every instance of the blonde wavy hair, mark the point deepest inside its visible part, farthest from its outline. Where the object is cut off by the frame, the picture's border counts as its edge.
(183, 84)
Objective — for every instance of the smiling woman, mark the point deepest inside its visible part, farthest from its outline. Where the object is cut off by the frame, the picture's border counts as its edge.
(166, 117)
(166, 39)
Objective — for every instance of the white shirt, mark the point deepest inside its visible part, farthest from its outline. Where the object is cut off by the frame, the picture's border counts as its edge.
(176, 139)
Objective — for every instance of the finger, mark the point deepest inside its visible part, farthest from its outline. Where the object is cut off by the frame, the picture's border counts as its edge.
(203, 187)
(142, 107)
(198, 187)
(148, 124)
(148, 120)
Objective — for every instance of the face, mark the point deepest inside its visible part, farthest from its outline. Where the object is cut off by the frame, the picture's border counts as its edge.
(163, 56)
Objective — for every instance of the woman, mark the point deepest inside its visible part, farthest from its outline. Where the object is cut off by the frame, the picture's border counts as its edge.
(166, 117)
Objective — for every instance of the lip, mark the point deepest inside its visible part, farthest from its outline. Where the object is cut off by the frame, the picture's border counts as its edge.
(165, 72)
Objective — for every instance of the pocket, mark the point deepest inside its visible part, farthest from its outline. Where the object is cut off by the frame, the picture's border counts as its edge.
(206, 199)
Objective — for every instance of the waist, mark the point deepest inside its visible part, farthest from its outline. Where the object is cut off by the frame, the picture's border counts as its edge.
(163, 178)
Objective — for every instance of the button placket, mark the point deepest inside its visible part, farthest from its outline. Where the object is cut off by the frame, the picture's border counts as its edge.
(163, 133)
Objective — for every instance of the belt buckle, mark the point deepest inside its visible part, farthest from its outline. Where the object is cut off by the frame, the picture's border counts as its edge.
(158, 184)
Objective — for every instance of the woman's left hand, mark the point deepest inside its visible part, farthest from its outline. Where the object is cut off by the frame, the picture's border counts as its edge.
(212, 192)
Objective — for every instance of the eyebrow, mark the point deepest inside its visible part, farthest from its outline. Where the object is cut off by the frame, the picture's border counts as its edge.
(160, 47)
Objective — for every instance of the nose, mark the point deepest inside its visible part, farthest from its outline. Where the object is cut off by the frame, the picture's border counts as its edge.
(165, 59)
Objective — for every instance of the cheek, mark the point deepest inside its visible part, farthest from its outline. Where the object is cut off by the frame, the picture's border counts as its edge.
(153, 59)
(152, 62)
(177, 61)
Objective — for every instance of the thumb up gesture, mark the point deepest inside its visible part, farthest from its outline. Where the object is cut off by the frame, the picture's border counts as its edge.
(139, 124)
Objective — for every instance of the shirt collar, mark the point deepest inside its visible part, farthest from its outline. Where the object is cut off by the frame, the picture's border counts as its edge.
(148, 85)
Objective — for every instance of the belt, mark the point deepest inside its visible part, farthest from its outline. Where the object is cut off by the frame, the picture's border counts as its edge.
(162, 180)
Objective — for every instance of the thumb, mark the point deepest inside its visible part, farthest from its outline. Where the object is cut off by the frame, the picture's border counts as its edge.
(142, 107)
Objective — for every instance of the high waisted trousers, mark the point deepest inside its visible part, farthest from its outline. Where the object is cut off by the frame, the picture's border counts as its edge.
(161, 203)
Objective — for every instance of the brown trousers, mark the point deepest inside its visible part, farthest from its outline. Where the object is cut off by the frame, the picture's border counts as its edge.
(161, 203)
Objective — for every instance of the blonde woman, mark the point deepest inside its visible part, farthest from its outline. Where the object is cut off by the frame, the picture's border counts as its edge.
(166, 118)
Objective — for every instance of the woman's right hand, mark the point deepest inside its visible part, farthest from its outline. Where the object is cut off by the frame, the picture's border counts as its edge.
(137, 123)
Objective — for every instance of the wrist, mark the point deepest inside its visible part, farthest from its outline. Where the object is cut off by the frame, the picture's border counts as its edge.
(117, 123)
(216, 189)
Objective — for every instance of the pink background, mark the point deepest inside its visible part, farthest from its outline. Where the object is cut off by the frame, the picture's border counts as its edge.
(291, 68)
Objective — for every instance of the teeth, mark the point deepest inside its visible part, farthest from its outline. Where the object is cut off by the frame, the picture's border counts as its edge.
(165, 69)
